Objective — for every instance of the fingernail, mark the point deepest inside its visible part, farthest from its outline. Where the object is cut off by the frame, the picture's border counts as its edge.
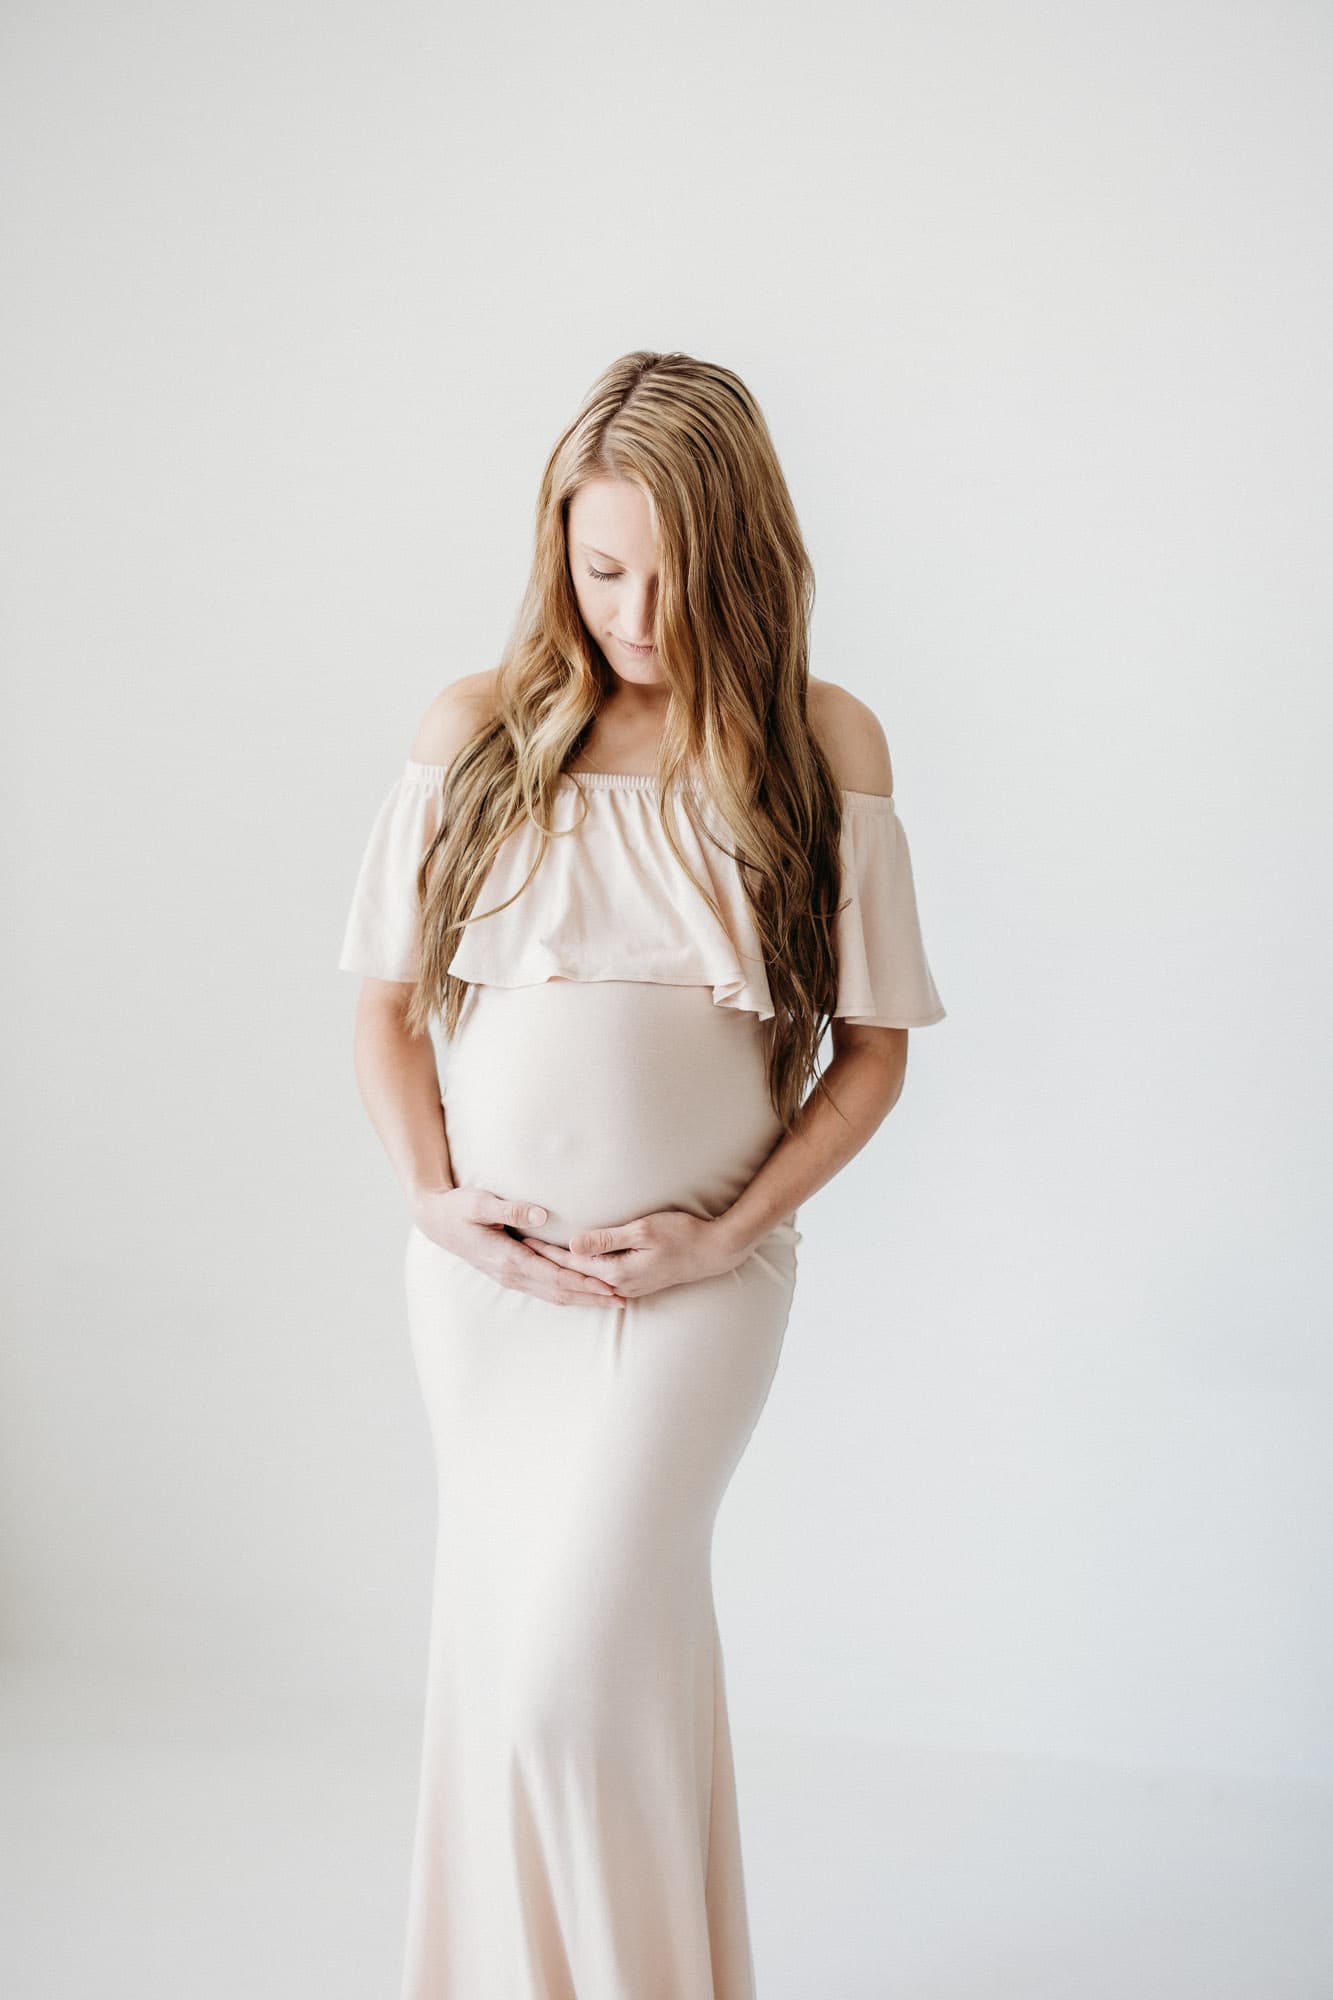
(536, 1215)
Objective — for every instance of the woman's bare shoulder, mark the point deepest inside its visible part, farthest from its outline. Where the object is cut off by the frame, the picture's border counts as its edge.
(455, 715)
(852, 738)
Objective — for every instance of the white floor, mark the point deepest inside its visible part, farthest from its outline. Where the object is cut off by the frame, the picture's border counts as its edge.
(169, 1844)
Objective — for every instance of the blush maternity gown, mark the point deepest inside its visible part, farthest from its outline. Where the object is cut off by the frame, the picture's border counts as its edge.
(577, 1831)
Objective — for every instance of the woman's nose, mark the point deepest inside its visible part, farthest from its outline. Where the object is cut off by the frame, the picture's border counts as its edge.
(640, 624)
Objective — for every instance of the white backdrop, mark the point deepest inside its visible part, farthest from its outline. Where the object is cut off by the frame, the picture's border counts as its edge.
(1037, 302)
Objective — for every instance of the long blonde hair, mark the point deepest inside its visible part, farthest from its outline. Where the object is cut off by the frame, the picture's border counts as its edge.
(735, 596)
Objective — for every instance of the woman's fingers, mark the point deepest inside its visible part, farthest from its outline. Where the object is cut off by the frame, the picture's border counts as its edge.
(558, 1253)
(498, 1210)
(529, 1271)
(491, 1239)
(528, 1266)
(608, 1242)
(575, 1260)
(626, 1271)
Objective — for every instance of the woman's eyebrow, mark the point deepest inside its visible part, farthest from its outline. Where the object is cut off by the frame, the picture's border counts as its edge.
(598, 552)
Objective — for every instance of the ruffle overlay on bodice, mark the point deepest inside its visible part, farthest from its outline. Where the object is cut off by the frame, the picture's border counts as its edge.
(610, 900)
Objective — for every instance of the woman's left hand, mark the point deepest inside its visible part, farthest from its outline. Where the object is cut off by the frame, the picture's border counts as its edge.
(668, 1247)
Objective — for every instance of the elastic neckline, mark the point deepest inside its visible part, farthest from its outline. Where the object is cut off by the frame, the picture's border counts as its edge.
(635, 781)
(602, 781)
(617, 781)
(645, 781)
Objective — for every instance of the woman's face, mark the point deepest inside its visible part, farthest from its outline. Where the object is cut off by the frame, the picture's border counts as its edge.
(613, 563)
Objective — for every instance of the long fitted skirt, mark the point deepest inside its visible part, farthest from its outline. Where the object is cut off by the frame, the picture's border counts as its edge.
(577, 1832)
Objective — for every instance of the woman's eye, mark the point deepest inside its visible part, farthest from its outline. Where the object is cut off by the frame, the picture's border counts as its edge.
(603, 575)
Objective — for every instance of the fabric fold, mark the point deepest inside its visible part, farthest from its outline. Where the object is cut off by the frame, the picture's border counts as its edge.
(884, 976)
(382, 937)
(611, 901)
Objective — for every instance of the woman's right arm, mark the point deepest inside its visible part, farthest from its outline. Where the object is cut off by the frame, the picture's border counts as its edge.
(395, 1070)
(399, 1085)
(400, 1088)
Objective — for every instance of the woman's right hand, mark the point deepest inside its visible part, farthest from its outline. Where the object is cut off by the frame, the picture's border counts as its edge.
(475, 1225)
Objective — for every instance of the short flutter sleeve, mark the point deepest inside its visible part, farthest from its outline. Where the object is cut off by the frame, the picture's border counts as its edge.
(884, 979)
(382, 937)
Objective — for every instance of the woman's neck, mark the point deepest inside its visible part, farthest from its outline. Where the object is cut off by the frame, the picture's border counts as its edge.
(625, 735)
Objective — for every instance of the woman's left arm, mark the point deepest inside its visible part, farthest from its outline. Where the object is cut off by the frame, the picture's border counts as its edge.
(865, 1080)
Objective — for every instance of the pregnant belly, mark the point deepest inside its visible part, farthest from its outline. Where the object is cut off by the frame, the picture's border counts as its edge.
(607, 1099)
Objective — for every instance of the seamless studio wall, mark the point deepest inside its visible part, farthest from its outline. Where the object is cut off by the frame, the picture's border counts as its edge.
(1037, 302)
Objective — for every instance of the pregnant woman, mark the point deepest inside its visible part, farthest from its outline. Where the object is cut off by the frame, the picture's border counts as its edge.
(633, 874)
